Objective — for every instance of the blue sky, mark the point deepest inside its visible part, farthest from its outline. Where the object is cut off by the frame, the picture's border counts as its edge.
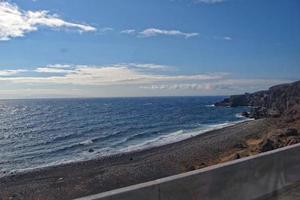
(78, 48)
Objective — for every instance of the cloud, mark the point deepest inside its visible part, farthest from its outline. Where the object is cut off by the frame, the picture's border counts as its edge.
(152, 32)
(143, 66)
(105, 30)
(15, 22)
(11, 72)
(119, 74)
(128, 31)
(227, 38)
(60, 66)
(64, 68)
(184, 86)
(209, 1)
(223, 85)
(123, 79)
(57, 68)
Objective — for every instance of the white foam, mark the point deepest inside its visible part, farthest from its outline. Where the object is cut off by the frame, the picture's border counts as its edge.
(239, 115)
(177, 136)
(159, 141)
(86, 142)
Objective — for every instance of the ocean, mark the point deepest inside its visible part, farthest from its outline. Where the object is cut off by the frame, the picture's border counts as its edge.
(44, 132)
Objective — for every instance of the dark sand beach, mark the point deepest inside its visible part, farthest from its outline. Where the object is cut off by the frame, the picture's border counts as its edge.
(89, 177)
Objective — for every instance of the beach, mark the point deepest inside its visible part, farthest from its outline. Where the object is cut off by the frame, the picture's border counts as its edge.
(197, 99)
(83, 178)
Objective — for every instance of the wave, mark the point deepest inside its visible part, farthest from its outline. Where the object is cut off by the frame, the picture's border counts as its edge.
(239, 115)
(143, 140)
(139, 136)
(178, 136)
(80, 157)
(158, 141)
(35, 132)
(211, 105)
(86, 142)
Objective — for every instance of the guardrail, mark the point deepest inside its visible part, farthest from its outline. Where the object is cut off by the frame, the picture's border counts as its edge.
(246, 179)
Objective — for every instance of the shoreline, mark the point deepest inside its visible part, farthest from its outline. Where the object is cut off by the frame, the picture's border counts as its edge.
(73, 180)
(122, 153)
(214, 127)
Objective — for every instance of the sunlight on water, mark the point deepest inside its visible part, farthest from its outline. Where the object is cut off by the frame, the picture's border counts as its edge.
(35, 133)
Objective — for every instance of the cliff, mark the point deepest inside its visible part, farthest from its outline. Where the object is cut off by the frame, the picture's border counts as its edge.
(279, 100)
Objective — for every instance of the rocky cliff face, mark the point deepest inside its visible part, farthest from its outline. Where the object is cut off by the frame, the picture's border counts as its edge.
(279, 100)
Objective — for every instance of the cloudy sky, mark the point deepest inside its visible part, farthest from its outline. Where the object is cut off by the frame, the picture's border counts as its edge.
(80, 48)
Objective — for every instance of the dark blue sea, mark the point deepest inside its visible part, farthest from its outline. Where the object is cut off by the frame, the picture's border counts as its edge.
(39, 133)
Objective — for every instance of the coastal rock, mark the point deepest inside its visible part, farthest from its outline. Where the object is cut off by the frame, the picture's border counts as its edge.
(292, 140)
(291, 132)
(237, 156)
(246, 114)
(240, 146)
(224, 103)
(284, 133)
(292, 114)
(279, 100)
(268, 145)
(273, 113)
(235, 101)
(91, 150)
(279, 138)
(258, 112)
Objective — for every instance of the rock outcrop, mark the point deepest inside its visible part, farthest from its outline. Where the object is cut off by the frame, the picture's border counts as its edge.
(279, 100)
(236, 100)
(279, 138)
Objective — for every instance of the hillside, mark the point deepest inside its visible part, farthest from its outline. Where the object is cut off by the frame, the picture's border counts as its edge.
(279, 100)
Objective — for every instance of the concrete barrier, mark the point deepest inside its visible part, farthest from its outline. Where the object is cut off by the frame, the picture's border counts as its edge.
(247, 179)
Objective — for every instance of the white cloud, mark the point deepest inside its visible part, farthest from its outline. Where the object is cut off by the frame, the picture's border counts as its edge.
(11, 72)
(51, 70)
(209, 1)
(118, 74)
(128, 31)
(60, 66)
(133, 79)
(228, 38)
(180, 86)
(105, 30)
(57, 68)
(223, 85)
(15, 22)
(125, 79)
(150, 66)
(151, 32)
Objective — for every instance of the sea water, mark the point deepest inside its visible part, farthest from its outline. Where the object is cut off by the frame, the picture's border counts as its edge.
(43, 132)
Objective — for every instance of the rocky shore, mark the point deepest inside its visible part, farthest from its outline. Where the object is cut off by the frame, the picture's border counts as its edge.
(280, 103)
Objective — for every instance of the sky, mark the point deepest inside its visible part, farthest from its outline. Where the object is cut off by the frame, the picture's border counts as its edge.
(113, 48)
